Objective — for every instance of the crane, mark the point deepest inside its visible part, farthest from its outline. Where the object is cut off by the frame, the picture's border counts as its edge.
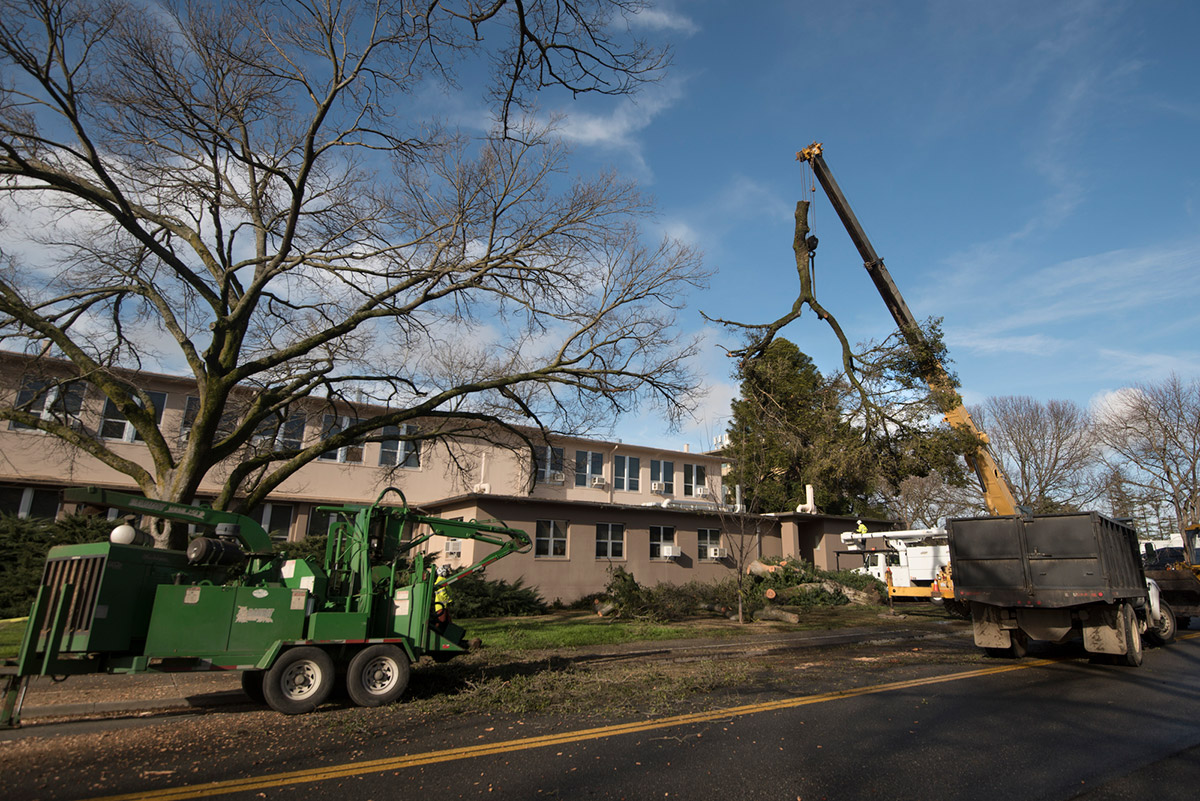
(997, 495)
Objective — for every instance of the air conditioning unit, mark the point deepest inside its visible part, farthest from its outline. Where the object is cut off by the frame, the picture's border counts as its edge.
(671, 551)
(717, 553)
(701, 492)
(556, 478)
(658, 486)
(453, 548)
(598, 481)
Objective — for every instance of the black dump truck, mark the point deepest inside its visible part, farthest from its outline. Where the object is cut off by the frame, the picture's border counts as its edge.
(1054, 577)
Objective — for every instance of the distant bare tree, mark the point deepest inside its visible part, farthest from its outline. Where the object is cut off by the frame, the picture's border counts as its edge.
(1047, 449)
(742, 532)
(255, 193)
(925, 501)
(1151, 433)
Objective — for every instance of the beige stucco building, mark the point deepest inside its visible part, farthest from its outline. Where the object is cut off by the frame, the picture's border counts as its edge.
(589, 505)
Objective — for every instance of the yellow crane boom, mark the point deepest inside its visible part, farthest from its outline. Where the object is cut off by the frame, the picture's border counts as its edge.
(997, 495)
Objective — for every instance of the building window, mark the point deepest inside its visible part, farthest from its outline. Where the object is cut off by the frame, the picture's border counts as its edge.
(589, 468)
(694, 483)
(281, 434)
(706, 540)
(610, 541)
(332, 425)
(29, 502)
(191, 409)
(113, 424)
(662, 477)
(400, 452)
(550, 539)
(660, 536)
(625, 472)
(548, 462)
(49, 400)
(275, 518)
(318, 522)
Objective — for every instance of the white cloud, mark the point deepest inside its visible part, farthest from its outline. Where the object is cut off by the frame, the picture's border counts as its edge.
(1112, 402)
(1148, 366)
(986, 343)
(618, 130)
(662, 19)
(1118, 284)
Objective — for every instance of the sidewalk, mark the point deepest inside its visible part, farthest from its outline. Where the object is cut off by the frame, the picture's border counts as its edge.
(103, 694)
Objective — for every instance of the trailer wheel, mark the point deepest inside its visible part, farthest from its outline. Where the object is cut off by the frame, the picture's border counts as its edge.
(1133, 637)
(252, 685)
(299, 681)
(1164, 632)
(378, 675)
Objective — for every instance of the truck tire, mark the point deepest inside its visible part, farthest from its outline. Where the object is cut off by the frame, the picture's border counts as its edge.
(252, 685)
(299, 681)
(1133, 637)
(1164, 632)
(378, 675)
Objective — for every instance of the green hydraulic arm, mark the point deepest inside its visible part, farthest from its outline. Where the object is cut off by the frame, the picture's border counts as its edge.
(997, 494)
(227, 524)
(382, 529)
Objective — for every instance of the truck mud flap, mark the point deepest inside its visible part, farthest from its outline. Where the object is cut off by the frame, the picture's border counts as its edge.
(1102, 630)
(991, 626)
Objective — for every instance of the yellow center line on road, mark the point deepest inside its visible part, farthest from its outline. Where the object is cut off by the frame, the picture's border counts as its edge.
(544, 741)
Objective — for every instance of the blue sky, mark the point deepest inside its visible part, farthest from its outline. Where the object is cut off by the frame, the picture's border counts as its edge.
(1028, 171)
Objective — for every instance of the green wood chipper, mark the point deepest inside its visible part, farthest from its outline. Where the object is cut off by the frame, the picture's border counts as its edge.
(292, 626)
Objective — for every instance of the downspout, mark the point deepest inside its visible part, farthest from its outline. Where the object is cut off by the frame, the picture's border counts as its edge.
(612, 461)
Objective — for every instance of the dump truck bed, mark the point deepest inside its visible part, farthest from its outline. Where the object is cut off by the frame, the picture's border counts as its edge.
(1047, 561)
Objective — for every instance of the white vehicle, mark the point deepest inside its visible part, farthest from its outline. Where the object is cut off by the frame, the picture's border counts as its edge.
(915, 557)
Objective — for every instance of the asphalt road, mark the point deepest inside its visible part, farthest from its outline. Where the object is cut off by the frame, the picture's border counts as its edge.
(1061, 727)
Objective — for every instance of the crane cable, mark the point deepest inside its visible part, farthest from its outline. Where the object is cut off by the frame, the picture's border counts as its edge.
(808, 182)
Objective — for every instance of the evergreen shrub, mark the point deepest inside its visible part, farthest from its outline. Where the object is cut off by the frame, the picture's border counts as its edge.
(24, 544)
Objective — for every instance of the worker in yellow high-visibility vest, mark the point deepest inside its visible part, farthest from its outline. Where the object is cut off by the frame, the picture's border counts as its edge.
(441, 599)
(862, 527)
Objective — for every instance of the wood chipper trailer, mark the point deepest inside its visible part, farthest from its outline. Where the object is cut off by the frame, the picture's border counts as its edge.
(228, 603)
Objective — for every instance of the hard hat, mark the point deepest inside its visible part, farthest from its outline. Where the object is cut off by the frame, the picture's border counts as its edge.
(444, 570)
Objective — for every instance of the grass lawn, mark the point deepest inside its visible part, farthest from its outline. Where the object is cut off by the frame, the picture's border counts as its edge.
(569, 629)
(10, 636)
(574, 629)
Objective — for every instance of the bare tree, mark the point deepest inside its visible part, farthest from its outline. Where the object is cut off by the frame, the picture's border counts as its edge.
(1151, 433)
(742, 532)
(925, 501)
(1048, 451)
(255, 194)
